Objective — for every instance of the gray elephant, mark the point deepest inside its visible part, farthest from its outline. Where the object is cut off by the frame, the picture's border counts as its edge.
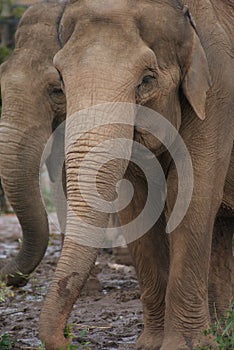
(157, 54)
(33, 105)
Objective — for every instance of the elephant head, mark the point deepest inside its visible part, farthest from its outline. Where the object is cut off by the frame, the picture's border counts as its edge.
(144, 52)
(33, 104)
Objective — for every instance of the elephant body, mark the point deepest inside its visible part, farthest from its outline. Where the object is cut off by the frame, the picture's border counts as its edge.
(32, 104)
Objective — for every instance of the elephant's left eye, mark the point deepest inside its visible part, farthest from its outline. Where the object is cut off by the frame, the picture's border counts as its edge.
(146, 88)
(148, 79)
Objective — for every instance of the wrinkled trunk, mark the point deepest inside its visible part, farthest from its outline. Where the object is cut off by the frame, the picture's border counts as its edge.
(86, 219)
(22, 139)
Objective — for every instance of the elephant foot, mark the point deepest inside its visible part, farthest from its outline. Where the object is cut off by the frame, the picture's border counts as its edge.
(149, 340)
(54, 342)
(189, 342)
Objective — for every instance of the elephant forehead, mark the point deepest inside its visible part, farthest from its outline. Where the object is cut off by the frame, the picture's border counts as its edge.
(121, 8)
(107, 8)
(150, 17)
(108, 11)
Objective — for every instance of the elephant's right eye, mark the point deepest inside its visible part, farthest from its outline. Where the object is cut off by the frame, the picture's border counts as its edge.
(57, 91)
(57, 95)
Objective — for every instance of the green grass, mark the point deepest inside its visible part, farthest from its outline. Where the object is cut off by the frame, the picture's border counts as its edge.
(223, 331)
(5, 292)
(6, 342)
(68, 333)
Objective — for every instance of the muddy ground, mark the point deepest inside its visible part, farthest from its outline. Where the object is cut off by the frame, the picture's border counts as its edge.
(107, 316)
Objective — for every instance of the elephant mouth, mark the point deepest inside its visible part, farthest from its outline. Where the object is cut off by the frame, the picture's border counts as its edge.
(97, 187)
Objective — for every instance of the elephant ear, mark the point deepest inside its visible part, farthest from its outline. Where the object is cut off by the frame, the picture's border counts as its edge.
(196, 81)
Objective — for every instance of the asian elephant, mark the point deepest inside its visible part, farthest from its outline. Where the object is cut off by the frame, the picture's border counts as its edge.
(33, 105)
(177, 62)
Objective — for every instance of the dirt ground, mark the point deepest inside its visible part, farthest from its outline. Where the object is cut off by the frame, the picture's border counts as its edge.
(107, 316)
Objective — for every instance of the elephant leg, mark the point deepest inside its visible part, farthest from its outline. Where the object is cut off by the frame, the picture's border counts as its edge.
(57, 175)
(150, 255)
(64, 291)
(220, 276)
(187, 309)
(59, 197)
(20, 155)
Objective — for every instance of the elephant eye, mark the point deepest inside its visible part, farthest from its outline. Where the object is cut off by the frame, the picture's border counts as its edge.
(148, 79)
(57, 91)
(146, 88)
(57, 95)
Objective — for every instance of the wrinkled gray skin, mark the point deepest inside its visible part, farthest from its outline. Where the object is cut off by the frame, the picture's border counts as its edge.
(108, 49)
(33, 105)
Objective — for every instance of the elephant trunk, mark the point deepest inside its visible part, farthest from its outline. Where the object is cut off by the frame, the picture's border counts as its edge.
(96, 159)
(22, 140)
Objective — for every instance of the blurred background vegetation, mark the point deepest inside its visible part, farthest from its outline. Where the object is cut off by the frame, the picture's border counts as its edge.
(10, 13)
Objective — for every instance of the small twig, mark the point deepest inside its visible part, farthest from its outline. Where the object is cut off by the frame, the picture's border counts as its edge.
(85, 326)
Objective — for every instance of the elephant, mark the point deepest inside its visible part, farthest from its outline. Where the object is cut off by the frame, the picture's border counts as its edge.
(177, 62)
(174, 57)
(33, 106)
